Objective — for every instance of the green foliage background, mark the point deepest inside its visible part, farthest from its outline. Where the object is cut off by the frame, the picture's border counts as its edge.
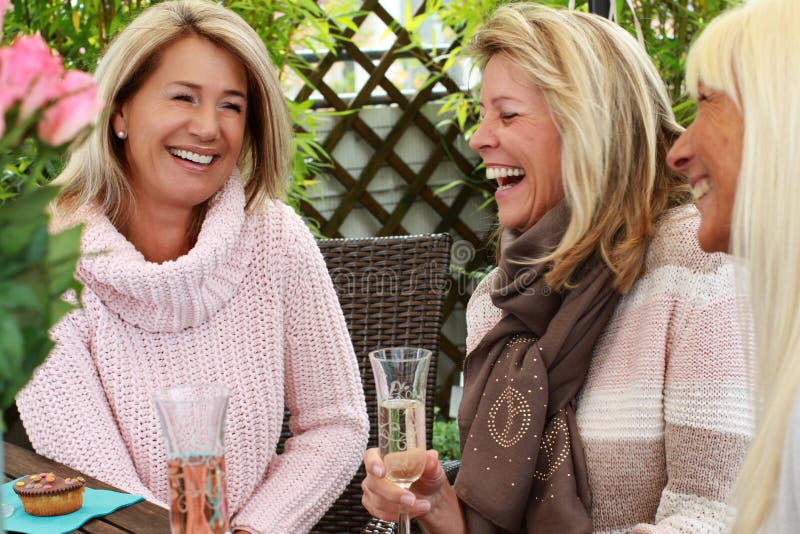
(80, 30)
(35, 269)
(668, 28)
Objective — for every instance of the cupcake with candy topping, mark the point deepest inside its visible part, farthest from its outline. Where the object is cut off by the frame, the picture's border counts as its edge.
(46, 494)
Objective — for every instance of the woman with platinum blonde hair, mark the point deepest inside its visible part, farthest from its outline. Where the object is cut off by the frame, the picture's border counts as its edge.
(604, 381)
(741, 156)
(194, 271)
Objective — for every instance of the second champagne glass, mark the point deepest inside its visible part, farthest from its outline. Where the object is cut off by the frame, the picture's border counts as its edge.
(401, 374)
(193, 422)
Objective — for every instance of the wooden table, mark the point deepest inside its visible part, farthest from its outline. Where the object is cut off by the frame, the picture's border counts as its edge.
(140, 518)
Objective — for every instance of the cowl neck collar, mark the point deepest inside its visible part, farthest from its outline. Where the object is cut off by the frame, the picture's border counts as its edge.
(174, 295)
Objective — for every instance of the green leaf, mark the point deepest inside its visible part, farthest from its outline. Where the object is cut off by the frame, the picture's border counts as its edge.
(14, 239)
(17, 295)
(37, 246)
(24, 206)
(448, 186)
(62, 256)
(11, 344)
(58, 309)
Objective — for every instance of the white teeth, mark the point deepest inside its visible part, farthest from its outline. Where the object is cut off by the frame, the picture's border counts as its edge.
(493, 173)
(504, 187)
(191, 156)
(701, 188)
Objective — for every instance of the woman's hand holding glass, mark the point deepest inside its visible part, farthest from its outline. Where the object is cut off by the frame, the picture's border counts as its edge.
(400, 379)
(430, 499)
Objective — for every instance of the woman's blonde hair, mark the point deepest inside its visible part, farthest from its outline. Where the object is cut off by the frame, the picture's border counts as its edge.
(751, 55)
(96, 171)
(616, 124)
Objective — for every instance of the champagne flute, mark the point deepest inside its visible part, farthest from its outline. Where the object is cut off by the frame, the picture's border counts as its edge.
(193, 422)
(401, 374)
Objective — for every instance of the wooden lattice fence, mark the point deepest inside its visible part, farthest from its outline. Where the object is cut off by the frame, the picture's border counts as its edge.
(446, 149)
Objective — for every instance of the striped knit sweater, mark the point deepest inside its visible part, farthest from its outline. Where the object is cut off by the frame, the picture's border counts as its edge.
(251, 306)
(666, 412)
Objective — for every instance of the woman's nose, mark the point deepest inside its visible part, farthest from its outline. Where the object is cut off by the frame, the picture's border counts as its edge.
(205, 123)
(483, 137)
(680, 155)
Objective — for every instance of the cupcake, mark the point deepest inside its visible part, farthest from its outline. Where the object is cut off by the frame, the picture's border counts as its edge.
(46, 494)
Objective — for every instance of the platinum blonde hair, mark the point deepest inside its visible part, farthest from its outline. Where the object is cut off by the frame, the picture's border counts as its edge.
(616, 125)
(96, 171)
(751, 55)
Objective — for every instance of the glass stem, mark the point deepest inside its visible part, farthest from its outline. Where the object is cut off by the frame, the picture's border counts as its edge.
(404, 523)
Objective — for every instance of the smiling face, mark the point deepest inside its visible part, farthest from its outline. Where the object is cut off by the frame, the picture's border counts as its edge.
(519, 144)
(709, 154)
(184, 127)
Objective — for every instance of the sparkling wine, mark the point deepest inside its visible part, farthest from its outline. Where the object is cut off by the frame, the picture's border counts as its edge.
(401, 435)
(197, 491)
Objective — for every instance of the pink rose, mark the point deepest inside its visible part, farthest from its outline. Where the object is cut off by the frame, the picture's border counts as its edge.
(29, 70)
(44, 89)
(73, 111)
(7, 95)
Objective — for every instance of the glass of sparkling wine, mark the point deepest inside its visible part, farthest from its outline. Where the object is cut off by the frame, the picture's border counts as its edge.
(193, 424)
(401, 374)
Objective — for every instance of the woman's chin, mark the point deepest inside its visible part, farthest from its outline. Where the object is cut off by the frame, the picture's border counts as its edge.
(712, 238)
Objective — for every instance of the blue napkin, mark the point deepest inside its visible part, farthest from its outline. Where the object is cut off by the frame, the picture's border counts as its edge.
(96, 503)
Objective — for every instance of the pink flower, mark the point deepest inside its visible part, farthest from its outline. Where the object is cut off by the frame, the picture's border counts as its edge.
(73, 111)
(7, 94)
(29, 70)
(44, 89)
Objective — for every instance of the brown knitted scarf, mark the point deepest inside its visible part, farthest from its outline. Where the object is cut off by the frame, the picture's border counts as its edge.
(523, 467)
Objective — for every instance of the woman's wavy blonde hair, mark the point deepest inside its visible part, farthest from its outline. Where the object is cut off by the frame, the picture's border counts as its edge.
(616, 124)
(96, 171)
(751, 54)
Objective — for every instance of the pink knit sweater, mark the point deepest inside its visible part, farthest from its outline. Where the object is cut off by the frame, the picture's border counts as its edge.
(666, 411)
(250, 306)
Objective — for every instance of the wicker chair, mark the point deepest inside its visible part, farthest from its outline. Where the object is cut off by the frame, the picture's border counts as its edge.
(391, 290)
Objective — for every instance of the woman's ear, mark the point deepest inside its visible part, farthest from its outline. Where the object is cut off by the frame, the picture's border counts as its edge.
(119, 124)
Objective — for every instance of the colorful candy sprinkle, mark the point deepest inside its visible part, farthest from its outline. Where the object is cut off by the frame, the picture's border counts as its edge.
(20, 483)
(47, 486)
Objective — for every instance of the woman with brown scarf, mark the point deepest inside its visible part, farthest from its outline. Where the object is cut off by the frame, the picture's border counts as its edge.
(605, 381)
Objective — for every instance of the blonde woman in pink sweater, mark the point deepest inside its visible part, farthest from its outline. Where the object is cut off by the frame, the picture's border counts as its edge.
(741, 156)
(606, 378)
(193, 270)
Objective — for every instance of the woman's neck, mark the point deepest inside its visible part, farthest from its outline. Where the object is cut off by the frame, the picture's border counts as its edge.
(159, 234)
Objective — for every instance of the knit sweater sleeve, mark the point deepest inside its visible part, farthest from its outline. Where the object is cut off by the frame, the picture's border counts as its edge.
(708, 405)
(323, 392)
(67, 416)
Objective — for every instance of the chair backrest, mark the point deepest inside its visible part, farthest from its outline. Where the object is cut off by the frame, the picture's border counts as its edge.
(391, 290)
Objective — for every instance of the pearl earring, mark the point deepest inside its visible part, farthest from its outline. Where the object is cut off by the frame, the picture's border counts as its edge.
(121, 134)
